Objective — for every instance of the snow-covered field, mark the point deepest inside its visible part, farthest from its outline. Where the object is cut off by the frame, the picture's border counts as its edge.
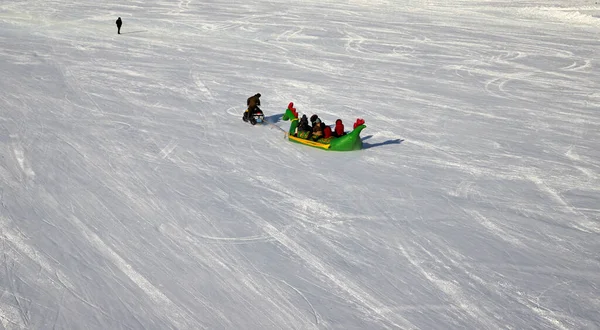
(134, 197)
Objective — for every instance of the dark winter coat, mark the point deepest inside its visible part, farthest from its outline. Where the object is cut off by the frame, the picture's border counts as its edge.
(317, 130)
(119, 22)
(303, 125)
(313, 119)
(253, 101)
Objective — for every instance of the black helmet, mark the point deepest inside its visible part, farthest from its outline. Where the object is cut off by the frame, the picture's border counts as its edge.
(313, 118)
(257, 95)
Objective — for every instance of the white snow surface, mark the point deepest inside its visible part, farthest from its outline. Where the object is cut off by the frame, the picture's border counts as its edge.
(132, 196)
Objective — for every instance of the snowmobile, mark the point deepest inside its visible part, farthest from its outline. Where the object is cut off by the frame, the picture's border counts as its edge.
(257, 117)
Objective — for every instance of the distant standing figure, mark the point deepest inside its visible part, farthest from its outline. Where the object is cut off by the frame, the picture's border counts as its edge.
(119, 23)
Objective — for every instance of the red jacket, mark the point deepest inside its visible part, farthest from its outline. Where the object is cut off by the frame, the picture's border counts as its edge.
(327, 132)
(339, 128)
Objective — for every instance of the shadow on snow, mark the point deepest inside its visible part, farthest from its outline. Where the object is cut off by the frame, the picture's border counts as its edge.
(367, 145)
(140, 31)
(274, 119)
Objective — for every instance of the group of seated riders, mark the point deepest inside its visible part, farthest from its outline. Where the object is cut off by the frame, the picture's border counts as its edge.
(317, 129)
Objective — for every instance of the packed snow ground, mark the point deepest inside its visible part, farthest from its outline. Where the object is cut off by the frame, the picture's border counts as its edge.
(134, 197)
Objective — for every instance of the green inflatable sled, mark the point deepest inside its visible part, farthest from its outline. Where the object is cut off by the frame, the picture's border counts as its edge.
(348, 142)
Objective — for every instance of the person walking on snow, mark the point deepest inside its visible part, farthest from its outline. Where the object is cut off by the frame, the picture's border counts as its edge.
(119, 23)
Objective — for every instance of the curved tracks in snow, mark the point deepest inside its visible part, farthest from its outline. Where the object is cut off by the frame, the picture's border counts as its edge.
(134, 196)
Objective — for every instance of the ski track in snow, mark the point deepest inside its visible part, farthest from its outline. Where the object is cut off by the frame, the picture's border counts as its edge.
(132, 196)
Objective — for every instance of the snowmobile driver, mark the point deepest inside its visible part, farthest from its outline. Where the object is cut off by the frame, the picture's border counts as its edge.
(253, 102)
